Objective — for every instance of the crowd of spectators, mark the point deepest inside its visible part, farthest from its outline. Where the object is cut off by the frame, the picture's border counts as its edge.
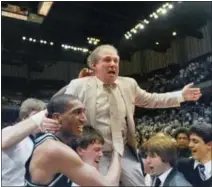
(168, 120)
(158, 120)
(197, 72)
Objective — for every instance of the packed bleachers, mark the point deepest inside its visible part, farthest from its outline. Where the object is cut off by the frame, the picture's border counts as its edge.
(168, 80)
(167, 120)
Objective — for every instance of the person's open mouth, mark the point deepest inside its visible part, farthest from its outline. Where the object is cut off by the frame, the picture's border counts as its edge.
(112, 73)
(80, 128)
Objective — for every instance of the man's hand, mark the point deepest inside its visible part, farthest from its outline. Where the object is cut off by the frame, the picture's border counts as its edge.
(191, 94)
(49, 125)
(117, 155)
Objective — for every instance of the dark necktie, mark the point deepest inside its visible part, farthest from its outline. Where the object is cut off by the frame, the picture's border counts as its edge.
(157, 182)
(201, 169)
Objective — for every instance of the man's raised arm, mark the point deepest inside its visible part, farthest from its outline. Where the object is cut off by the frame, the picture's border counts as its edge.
(16, 133)
(166, 100)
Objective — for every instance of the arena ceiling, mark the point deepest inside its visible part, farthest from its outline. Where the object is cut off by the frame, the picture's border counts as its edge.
(72, 22)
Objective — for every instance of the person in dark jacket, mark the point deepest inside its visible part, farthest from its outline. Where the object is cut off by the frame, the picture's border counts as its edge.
(161, 156)
(198, 170)
(182, 137)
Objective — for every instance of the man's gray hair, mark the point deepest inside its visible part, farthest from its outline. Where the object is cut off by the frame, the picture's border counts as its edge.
(94, 56)
(30, 105)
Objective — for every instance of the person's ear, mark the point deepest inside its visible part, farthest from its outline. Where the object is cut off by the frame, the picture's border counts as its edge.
(79, 151)
(56, 116)
(209, 144)
(93, 66)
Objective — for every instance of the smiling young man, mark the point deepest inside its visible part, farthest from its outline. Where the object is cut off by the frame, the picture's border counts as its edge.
(161, 154)
(110, 102)
(198, 170)
(89, 146)
(53, 163)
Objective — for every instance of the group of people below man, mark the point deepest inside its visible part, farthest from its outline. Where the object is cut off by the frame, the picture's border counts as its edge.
(106, 154)
(51, 160)
(174, 163)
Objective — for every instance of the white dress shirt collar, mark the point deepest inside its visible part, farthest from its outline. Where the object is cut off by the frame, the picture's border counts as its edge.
(163, 176)
(100, 83)
(208, 168)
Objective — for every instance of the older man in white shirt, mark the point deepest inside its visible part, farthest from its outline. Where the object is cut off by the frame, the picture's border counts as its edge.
(110, 103)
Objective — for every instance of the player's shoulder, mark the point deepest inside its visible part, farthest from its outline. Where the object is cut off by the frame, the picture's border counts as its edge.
(55, 147)
(51, 154)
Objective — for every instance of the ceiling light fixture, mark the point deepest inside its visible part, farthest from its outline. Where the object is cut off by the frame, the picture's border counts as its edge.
(44, 7)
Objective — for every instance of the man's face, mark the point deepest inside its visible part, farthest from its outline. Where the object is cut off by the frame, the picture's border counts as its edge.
(146, 167)
(182, 140)
(107, 67)
(155, 164)
(92, 154)
(73, 120)
(198, 147)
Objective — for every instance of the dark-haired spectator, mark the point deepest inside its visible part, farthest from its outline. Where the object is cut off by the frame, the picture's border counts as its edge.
(198, 170)
(182, 137)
